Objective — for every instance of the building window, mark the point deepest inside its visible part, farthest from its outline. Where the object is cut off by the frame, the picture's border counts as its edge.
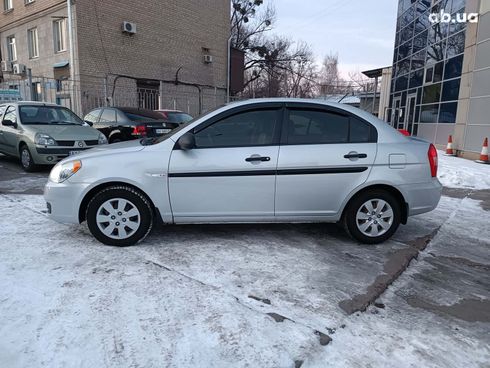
(33, 43)
(27, 2)
(11, 48)
(59, 35)
(7, 5)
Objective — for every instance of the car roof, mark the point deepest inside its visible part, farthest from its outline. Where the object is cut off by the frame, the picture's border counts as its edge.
(31, 103)
(385, 131)
(354, 110)
(169, 110)
(137, 111)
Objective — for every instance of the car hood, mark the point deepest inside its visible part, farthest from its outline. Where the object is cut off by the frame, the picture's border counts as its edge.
(65, 132)
(109, 149)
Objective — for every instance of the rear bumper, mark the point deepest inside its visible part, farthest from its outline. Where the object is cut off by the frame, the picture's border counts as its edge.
(423, 197)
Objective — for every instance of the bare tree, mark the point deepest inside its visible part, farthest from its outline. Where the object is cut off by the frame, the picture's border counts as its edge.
(329, 79)
(250, 20)
(301, 73)
(361, 83)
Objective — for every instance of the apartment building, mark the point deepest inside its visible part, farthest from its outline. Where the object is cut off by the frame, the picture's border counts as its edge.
(441, 72)
(167, 53)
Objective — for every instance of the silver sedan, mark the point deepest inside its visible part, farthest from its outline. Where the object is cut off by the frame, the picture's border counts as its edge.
(267, 160)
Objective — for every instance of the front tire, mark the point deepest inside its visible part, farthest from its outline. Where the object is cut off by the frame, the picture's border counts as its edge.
(372, 216)
(26, 159)
(119, 216)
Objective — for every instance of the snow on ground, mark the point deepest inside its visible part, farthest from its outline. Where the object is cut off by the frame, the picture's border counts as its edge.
(456, 172)
(421, 324)
(181, 298)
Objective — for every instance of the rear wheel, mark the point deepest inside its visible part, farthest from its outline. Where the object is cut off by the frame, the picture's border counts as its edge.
(26, 159)
(372, 216)
(119, 215)
(115, 139)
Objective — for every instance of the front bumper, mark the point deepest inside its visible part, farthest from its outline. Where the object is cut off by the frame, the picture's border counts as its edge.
(44, 155)
(63, 201)
(423, 197)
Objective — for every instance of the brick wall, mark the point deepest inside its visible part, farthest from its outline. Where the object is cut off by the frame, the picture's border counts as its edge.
(170, 34)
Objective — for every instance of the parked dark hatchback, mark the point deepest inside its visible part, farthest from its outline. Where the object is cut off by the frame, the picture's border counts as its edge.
(127, 123)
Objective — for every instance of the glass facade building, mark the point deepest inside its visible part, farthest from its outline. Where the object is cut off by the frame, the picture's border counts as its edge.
(427, 68)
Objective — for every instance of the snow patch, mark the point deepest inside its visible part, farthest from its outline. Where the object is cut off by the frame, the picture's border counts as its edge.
(456, 172)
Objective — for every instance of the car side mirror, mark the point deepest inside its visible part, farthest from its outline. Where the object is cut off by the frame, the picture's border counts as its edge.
(9, 123)
(89, 123)
(187, 141)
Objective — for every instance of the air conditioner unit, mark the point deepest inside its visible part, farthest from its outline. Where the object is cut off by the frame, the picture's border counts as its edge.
(208, 59)
(19, 69)
(6, 66)
(128, 27)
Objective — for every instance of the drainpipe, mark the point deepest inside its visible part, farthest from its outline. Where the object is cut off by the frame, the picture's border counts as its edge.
(228, 70)
(72, 55)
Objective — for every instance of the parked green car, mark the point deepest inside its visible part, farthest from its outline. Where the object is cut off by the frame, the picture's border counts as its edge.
(42, 134)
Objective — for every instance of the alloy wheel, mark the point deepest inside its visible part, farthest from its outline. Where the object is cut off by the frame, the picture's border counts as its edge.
(25, 158)
(374, 217)
(118, 218)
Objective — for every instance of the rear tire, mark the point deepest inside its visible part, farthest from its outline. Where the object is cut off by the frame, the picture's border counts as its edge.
(26, 159)
(120, 216)
(372, 216)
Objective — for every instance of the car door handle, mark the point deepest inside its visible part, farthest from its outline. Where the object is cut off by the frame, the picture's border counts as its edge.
(355, 155)
(257, 158)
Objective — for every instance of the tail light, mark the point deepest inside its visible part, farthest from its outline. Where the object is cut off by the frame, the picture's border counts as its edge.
(139, 130)
(404, 132)
(433, 161)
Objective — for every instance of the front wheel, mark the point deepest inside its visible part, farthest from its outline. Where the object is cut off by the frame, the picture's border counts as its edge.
(120, 216)
(372, 216)
(26, 159)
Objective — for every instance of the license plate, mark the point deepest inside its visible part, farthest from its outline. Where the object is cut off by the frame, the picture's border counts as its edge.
(71, 153)
(162, 131)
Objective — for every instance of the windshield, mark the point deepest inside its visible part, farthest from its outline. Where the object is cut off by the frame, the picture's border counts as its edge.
(48, 115)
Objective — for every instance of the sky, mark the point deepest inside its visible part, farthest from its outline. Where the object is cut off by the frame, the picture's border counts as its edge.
(361, 32)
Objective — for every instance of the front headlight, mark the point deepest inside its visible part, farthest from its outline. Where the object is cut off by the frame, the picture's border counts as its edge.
(44, 140)
(63, 171)
(102, 139)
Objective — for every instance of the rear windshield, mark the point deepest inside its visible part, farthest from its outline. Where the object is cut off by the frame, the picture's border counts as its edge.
(48, 115)
(142, 115)
(176, 117)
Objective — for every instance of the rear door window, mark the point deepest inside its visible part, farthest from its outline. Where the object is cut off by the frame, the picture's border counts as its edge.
(316, 127)
(360, 131)
(310, 126)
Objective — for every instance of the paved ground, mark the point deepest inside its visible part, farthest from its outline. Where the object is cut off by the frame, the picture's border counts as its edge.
(221, 296)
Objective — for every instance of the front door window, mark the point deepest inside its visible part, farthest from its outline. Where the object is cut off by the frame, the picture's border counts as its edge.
(247, 129)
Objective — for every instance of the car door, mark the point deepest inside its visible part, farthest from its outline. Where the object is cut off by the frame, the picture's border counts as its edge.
(230, 175)
(8, 140)
(325, 153)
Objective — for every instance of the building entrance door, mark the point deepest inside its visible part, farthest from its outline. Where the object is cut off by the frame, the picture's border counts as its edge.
(410, 115)
(397, 112)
